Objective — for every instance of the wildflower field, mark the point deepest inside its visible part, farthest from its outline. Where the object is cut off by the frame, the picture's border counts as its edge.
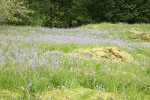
(92, 62)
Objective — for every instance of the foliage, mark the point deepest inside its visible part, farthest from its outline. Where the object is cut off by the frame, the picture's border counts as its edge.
(12, 10)
(50, 13)
(73, 13)
(38, 63)
(113, 10)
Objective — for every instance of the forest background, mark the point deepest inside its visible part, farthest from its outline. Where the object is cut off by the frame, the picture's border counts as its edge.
(73, 13)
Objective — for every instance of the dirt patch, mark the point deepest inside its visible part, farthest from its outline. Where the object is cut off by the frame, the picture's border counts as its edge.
(106, 54)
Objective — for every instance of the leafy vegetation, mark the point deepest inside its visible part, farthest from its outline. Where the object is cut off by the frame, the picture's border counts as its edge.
(73, 13)
(12, 11)
(43, 63)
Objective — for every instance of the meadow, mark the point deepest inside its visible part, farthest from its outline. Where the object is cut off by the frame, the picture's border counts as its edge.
(97, 61)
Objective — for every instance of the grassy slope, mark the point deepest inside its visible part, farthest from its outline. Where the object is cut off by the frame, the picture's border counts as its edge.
(63, 76)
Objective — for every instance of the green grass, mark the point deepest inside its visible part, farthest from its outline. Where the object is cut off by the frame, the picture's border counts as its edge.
(71, 77)
(120, 30)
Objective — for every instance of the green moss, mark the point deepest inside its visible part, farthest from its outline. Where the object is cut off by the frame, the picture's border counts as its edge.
(106, 54)
(136, 33)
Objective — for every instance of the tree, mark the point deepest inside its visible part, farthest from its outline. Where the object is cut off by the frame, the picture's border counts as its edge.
(95, 11)
(12, 10)
(72, 13)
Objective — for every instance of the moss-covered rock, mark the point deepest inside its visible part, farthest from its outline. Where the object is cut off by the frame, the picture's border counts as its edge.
(136, 33)
(145, 36)
(106, 54)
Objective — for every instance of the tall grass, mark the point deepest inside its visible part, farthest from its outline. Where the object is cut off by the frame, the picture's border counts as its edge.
(31, 68)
